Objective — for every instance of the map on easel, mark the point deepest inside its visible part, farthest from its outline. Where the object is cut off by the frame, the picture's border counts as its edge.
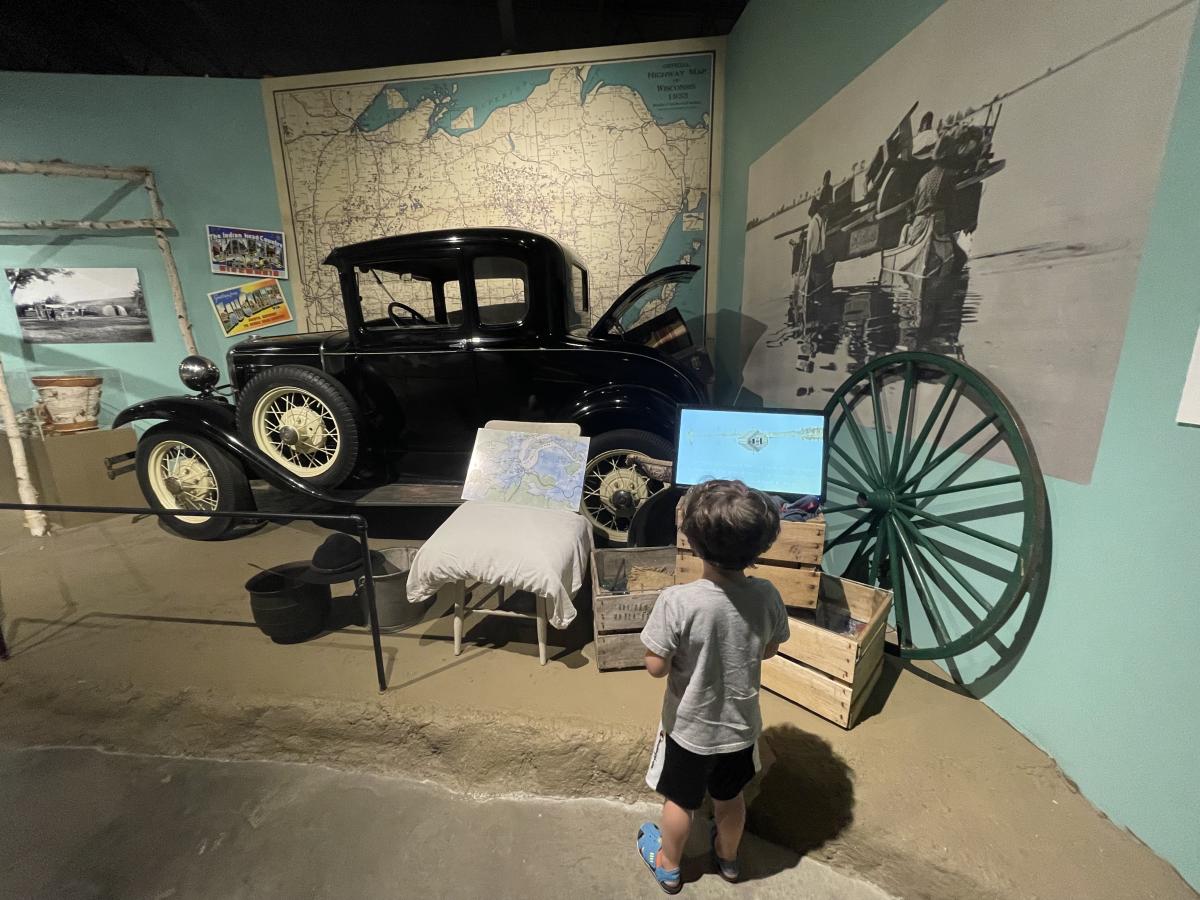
(527, 468)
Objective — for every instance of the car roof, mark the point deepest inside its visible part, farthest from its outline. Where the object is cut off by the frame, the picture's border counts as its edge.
(381, 248)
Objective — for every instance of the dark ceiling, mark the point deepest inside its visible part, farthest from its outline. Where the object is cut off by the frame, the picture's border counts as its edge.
(256, 38)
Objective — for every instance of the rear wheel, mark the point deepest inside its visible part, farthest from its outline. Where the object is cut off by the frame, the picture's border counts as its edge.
(614, 487)
(178, 470)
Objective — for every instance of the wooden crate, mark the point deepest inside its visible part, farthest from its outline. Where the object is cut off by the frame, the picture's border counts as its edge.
(792, 563)
(625, 585)
(825, 671)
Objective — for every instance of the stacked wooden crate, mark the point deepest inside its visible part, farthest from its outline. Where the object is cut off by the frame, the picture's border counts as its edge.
(625, 586)
(792, 563)
(832, 670)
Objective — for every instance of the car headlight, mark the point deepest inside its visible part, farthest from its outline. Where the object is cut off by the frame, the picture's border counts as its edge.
(199, 373)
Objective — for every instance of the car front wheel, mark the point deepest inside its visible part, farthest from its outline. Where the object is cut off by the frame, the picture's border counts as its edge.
(178, 470)
(614, 486)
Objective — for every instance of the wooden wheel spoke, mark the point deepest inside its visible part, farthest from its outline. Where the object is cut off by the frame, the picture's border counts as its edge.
(840, 508)
(850, 461)
(903, 423)
(918, 444)
(967, 464)
(845, 486)
(885, 463)
(941, 489)
(951, 450)
(896, 576)
(860, 442)
(845, 535)
(924, 595)
(962, 529)
(931, 548)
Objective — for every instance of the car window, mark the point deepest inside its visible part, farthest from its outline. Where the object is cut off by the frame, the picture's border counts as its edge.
(501, 290)
(578, 313)
(427, 296)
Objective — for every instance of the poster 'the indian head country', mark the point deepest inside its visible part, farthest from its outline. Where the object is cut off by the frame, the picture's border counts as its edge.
(982, 191)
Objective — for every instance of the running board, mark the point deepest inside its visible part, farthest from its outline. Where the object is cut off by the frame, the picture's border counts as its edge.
(403, 494)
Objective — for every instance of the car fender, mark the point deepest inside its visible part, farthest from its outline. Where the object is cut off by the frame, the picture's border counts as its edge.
(215, 420)
(625, 406)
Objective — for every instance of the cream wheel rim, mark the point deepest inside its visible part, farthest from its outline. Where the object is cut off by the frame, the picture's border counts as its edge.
(613, 489)
(182, 478)
(296, 429)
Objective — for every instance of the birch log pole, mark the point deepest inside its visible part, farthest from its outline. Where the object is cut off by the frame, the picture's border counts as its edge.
(160, 237)
(35, 519)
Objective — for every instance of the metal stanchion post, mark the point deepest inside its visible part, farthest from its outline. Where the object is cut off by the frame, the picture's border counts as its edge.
(372, 610)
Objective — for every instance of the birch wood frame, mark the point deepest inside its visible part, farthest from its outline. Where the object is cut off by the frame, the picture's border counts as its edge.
(35, 520)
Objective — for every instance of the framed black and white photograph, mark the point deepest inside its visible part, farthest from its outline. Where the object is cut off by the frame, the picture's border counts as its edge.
(80, 306)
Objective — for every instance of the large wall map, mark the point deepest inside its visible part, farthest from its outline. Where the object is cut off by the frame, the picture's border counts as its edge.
(612, 158)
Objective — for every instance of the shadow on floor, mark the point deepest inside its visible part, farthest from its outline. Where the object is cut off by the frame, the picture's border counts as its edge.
(806, 795)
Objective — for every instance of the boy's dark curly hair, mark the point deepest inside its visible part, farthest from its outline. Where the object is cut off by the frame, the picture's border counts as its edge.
(728, 524)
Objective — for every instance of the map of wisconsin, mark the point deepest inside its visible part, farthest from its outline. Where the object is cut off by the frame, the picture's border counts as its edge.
(617, 166)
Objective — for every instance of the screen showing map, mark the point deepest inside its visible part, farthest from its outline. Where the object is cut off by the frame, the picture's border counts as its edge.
(527, 468)
(776, 452)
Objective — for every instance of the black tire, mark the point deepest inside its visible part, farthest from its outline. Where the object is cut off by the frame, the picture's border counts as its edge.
(612, 525)
(331, 393)
(232, 486)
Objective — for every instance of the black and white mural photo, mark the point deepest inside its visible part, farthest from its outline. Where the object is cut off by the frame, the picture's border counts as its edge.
(982, 191)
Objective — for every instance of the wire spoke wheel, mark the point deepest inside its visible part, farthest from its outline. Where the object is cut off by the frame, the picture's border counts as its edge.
(935, 492)
(182, 478)
(296, 429)
(613, 489)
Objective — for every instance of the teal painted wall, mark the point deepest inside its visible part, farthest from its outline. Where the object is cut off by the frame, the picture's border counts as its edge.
(206, 141)
(1107, 685)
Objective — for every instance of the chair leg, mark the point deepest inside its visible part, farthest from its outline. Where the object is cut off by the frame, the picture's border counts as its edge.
(459, 593)
(541, 628)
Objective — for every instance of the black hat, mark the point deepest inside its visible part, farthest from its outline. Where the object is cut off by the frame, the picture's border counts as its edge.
(339, 559)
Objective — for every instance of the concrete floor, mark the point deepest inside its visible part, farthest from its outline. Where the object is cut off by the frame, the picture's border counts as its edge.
(96, 825)
(131, 639)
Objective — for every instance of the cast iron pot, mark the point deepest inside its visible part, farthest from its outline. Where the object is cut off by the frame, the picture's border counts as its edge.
(285, 610)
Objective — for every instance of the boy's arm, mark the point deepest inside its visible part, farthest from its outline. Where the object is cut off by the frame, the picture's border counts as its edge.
(771, 650)
(660, 635)
(656, 665)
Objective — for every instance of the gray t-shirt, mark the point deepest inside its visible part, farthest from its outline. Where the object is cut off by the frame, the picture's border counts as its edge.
(715, 637)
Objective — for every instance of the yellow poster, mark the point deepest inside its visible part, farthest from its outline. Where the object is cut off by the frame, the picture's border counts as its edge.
(250, 306)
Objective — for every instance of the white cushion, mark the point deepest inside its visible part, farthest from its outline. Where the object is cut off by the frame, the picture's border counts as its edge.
(543, 551)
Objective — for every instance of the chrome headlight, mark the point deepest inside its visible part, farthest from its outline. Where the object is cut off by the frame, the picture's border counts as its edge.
(198, 373)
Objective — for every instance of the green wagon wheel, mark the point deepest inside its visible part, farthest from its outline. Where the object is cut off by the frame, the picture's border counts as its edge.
(934, 491)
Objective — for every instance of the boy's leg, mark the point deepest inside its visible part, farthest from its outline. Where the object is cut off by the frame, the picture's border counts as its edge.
(676, 823)
(730, 816)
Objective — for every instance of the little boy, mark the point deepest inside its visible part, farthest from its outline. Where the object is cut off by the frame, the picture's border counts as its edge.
(709, 638)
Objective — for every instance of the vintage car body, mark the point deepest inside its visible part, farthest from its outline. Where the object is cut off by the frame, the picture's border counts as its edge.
(492, 325)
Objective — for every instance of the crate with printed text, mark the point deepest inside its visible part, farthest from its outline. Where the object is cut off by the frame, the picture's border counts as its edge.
(625, 585)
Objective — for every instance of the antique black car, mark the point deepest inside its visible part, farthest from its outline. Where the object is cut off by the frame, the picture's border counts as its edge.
(444, 331)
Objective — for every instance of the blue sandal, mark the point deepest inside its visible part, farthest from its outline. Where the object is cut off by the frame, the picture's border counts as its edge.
(726, 868)
(649, 840)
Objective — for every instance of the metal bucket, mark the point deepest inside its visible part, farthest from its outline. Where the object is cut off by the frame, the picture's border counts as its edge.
(391, 592)
(285, 610)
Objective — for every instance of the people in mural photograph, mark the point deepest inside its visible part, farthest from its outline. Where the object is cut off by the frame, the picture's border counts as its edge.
(984, 203)
(76, 306)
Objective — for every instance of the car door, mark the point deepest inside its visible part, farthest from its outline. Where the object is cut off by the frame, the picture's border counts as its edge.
(414, 355)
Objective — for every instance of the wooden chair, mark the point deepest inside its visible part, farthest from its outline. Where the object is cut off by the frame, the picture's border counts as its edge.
(464, 597)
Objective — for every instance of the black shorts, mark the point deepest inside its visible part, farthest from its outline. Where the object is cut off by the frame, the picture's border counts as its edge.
(683, 776)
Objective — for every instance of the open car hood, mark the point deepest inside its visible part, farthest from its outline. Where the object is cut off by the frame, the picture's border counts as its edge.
(678, 274)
